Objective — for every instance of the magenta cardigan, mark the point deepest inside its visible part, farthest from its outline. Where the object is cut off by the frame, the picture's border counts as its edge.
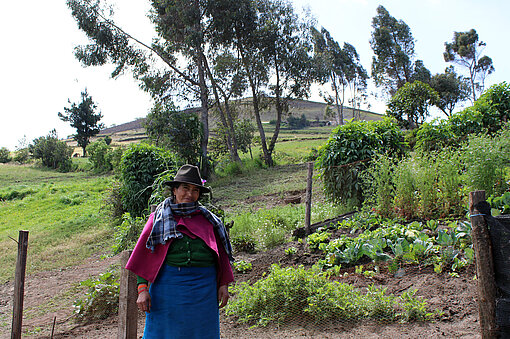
(147, 264)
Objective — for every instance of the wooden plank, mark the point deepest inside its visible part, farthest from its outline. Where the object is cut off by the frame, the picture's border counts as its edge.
(128, 312)
(484, 268)
(19, 285)
(308, 202)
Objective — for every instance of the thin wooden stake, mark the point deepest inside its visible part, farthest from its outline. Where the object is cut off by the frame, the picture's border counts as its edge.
(308, 210)
(19, 285)
(484, 268)
(128, 312)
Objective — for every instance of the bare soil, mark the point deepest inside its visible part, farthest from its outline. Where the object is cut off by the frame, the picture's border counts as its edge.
(49, 296)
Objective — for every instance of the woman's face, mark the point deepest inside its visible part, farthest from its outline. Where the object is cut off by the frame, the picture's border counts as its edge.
(186, 193)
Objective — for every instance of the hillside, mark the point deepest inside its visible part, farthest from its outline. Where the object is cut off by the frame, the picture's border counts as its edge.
(134, 131)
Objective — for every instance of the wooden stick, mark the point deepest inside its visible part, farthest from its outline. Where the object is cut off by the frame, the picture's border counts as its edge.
(19, 285)
(308, 210)
(484, 268)
(128, 312)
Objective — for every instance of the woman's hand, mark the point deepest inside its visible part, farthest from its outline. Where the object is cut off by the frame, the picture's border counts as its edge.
(223, 295)
(144, 301)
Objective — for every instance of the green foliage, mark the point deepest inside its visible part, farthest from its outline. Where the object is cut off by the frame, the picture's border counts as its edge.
(486, 159)
(290, 292)
(500, 204)
(139, 167)
(410, 104)
(17, 193)
(52, 152)
(21, 155)
(84, 118)
(298, 123)
(127, 233)
(243, 243)
(393, 46)
(315, 239)
(5, 155)
(179, 131)
(101, 300)
(451, 89)
(466, 51)
(242, 266)
(348, 152)
(103, 157)
(244, 131)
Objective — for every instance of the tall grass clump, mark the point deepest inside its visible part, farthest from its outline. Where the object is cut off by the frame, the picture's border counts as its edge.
(486, 160)
(405, 188)
(378, 184)
(426, 185)
(267, 228)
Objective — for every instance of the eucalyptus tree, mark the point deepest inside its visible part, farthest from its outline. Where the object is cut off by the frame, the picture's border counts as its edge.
(393, 46)
(177, 60)
(466, 50)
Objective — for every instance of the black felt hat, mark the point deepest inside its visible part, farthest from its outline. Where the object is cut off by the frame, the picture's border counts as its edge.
(188, 174)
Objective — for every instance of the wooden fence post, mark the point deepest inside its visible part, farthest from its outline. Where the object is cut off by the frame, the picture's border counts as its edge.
(19, 285)
(128, 312)
(484, 268)
(308, 209)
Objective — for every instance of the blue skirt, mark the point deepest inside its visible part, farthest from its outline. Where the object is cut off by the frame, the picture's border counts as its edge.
(184, 304)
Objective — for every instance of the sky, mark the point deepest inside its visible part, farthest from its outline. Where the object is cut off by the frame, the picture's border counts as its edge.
(40, 73)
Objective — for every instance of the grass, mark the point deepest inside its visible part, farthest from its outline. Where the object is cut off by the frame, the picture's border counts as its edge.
(61, 213)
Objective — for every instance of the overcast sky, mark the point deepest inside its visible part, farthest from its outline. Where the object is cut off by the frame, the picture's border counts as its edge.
(40, 73)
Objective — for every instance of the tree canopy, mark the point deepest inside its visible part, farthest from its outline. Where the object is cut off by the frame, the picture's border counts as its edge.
(466, 50)
(84, 118)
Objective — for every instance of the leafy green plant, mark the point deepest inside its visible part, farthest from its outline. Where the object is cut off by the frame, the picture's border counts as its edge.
(243, 243)
(242, 266)
(127, 233)
(139, 167)
(500, 204)
(289, 292)
(101, 299)
(315, 239)
(290, 251)
(5, 155)
(347, 152)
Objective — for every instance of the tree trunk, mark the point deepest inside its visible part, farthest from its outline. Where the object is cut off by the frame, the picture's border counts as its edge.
(204, 115)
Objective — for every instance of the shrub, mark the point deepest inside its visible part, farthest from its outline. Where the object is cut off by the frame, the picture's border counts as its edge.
(348, 152)
(287, 293)
(127, 233)
(52, 152)
(98, 156)
(5, 155)
(298, 123)
(21, 155)
(101, 299)
(139, 166)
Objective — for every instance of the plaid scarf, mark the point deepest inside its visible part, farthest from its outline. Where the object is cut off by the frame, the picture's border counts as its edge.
(165, 226)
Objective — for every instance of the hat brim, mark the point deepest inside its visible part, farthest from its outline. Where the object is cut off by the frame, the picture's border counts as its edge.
(173, 183)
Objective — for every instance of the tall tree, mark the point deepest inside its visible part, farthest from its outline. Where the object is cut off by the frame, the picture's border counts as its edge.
(451, 88)
(84, 118)
(175, 63)
(466, 50)
(410, 105)
(340, 67)
(393, 46)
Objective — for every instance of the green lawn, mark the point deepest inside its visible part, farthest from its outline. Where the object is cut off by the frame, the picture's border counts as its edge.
(61, 211)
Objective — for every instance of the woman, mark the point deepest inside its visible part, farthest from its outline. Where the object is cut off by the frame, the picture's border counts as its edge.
(184, 252)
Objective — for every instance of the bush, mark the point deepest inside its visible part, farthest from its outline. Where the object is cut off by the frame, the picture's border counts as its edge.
(103, 157)
(5, 155)
(348, 152)
(288, 293)
(101, 299)
(52, 152)
(127, 233)
(139, 166)
(21, 155)
(298, 123)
